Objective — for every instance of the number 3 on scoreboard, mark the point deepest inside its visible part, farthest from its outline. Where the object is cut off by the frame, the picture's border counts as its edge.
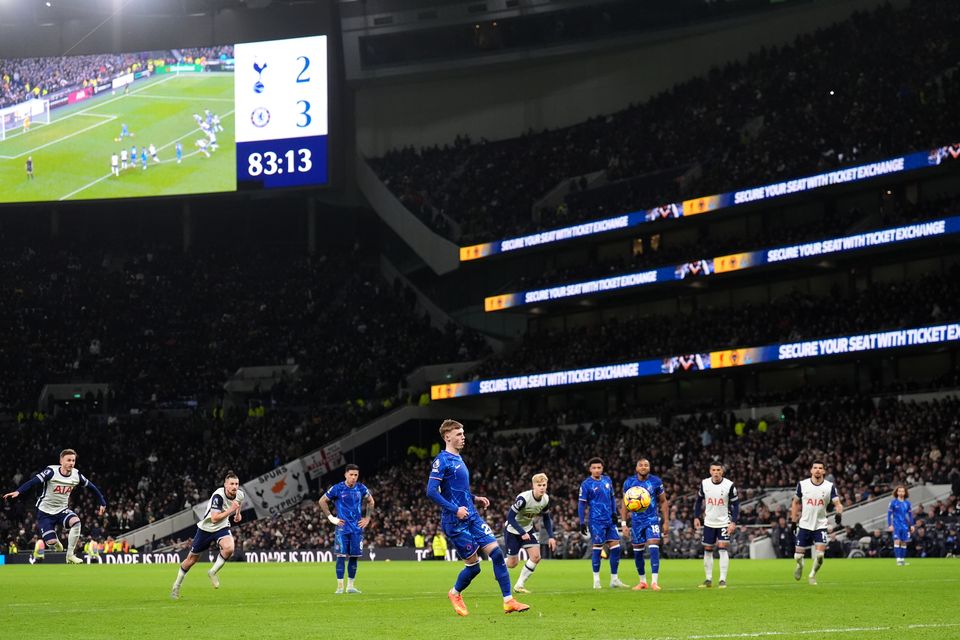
(305, 113)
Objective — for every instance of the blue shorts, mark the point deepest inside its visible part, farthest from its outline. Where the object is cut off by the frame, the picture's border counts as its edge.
(807, 538)
(47, 522)
(203, 539)
(901, 534)
(714, 535)
(514, 542)
(349, 543)
(603, 532)
(641, 532)
(469, 535)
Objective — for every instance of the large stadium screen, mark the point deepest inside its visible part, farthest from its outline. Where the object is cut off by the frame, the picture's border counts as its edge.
(160, 123)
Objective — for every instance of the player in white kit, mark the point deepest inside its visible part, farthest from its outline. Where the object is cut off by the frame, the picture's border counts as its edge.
(718, 502)
(519, 531)
(53, 505)
(222, 508)
(810, 504)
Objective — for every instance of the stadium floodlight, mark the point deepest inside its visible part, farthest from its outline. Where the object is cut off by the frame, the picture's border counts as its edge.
(12, 118)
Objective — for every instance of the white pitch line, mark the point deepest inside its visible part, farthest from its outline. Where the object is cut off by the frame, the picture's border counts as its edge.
(802, 632)
(191, 98)
(172, 142)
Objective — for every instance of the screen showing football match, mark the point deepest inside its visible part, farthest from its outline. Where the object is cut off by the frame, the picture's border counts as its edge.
(167, 122)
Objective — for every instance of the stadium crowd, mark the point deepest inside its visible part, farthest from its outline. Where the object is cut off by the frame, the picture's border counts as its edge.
(160, 325)
(661, 250)
(862, 97)
(920, 443)
(788, 318)
(26, 78)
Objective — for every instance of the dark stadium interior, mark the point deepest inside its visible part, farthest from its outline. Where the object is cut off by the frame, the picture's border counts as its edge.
(133, 329)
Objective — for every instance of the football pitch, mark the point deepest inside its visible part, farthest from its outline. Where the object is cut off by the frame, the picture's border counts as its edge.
(856, 599)
(71, 155)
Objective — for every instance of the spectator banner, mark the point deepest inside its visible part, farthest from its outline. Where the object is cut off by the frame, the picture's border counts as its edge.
(79, 95)
(276, 491)
(728, 263)
(707, 204)
(833, 346)
(323, 460)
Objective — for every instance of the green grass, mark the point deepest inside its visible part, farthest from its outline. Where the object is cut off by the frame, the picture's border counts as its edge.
(72, 154)
(856, 599)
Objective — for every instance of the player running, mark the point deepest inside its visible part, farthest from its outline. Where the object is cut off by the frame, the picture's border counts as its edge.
(152, 150)
(901, 523)
(449, 487)
(596, 494)
(519, 532)
(645, 528)
(813, 496)
(350, 495)
(717, 500)
(58, 482)
(224, 505)
(201, 145)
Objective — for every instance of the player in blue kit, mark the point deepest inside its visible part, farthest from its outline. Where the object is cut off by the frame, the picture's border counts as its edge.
(143, 158)
(53, 504)
(350, 495)
(597, 495)
(179, 149)
(900, 521)
(449, 487)
(645, 527)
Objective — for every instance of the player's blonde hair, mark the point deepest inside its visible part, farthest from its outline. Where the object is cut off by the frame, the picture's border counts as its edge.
(449, 425)
(540, 477)
(67, 452)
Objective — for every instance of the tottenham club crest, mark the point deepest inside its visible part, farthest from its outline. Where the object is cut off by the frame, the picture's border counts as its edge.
(260, 117)
(258, 67)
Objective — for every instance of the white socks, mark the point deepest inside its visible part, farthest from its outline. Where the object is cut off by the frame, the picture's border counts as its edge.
(218, 564)
(817, 563)
(724, 564)
(181, 574)
(72, 539)
(708, 564)
(526, 572)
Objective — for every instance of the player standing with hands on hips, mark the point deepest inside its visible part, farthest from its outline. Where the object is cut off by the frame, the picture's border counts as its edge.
(810, 503)
(350, 496)
(717, 500)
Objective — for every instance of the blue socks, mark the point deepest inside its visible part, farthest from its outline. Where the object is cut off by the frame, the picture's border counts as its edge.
(340, 563)
(638, 560)
(654, 558)
(596, 560)
(467, 574)
(500, 571)
(352, 568)
(614, 559)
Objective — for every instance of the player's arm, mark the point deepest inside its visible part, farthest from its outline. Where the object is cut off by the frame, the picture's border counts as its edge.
(582, 510)
(548, 525)
(890, 515)
(512, 512)
(36, 479)
(324, 504)
(698, 507)
(665, 512)
(734, 501)
(89, 485)
(217, 511)
(433, 492)
(368, 505)
(837, 505)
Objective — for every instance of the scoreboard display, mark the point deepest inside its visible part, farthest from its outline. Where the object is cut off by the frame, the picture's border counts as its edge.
(216, 119)
(280, 92)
